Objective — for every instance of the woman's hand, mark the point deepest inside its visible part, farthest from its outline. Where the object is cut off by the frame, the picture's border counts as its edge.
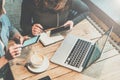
(70, 23)
(13, 51)
(37, 29)
(20, 39)
(23, 38)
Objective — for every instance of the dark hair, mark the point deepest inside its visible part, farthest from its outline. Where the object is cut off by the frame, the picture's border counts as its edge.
(1, 7)
(52, 4)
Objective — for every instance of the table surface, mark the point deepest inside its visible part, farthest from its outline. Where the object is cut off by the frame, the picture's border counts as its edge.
(103, 68)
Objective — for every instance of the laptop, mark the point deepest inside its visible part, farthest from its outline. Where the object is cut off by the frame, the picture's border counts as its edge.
(78, 53)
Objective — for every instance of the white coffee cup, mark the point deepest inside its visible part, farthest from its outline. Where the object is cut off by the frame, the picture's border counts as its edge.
(36, 60)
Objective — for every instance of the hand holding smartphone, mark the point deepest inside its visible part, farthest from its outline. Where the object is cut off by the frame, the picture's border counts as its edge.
(30, 41)
(59, 30)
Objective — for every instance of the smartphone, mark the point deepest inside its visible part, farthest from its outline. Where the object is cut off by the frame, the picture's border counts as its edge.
(31, 41)
(45, 78)
(59, 29)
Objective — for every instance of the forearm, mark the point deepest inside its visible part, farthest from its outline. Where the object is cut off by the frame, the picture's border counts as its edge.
(79, 18)
(79, 11)
(3, 61)
(15, 34)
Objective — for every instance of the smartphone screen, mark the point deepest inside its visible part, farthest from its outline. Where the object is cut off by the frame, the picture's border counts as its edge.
(30, 41)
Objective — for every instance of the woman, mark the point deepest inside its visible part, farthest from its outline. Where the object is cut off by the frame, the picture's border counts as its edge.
(37, 15)
(6, 54)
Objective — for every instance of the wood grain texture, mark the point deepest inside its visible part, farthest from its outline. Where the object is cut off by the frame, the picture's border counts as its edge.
(97, 71)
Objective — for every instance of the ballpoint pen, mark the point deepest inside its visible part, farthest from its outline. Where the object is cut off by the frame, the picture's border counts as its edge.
(43, 30)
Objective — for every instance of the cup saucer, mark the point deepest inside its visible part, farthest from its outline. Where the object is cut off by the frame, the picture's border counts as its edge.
(42, 68)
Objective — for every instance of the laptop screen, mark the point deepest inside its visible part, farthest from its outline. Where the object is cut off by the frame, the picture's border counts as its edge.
(103, 39)
(99, 46)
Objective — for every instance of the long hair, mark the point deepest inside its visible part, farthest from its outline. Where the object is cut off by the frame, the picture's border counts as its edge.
(1, 8)
(56, 5)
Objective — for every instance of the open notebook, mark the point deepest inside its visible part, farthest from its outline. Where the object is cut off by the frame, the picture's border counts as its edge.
(46, 40)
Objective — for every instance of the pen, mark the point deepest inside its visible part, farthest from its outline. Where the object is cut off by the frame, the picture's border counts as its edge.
(43, 30)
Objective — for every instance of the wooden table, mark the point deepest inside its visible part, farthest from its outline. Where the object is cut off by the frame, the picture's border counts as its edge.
(95, 72)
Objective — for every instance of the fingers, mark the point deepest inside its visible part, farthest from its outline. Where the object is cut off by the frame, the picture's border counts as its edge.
(15, 50)
(26, 37)
(21, 40)
(37, 29)
(70, 23)
(38, 25)
(16, 54)
(36, 32)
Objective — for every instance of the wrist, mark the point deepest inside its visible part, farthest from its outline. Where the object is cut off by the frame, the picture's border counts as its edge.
(17, 36)
(8, 56)
(3, 61)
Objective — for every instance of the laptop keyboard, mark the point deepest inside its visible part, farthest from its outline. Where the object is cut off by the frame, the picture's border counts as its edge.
(78, 53)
